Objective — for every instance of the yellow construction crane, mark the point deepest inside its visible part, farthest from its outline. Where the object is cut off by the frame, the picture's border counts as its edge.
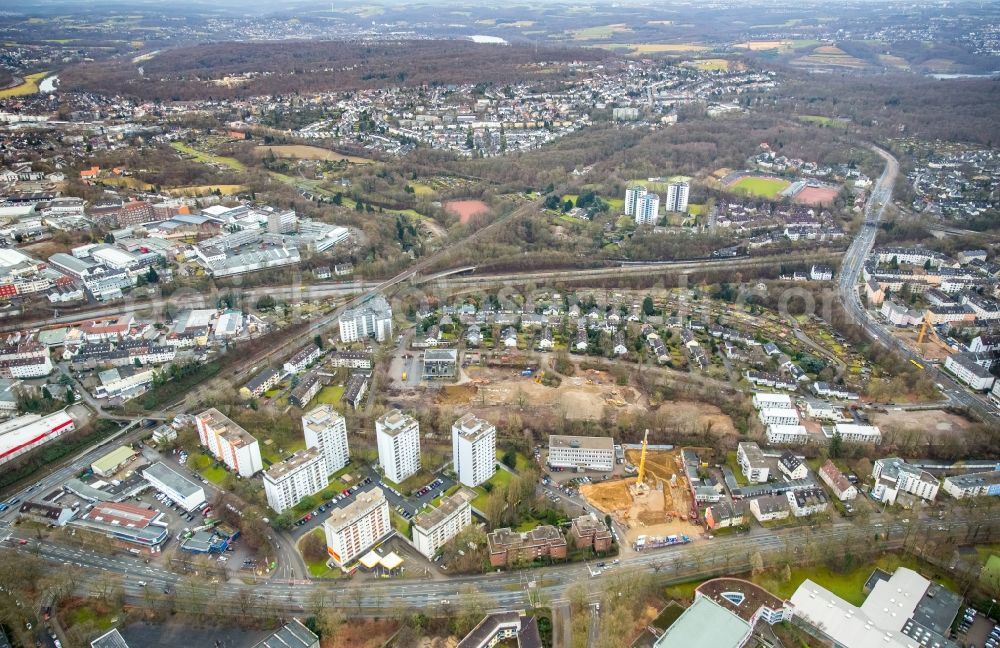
(927, 327)
(640, 478)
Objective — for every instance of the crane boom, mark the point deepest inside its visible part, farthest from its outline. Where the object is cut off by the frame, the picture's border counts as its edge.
(640, 478)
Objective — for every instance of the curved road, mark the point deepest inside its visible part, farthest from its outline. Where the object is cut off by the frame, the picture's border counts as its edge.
(850, 273)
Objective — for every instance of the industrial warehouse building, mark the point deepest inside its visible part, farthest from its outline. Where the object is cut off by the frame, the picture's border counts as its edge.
(187, 494)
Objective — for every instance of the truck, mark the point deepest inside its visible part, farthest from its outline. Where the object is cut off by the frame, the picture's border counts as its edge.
(655, 542)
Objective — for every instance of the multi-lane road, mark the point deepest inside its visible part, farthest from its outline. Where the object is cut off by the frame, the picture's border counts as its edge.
(509, 590)
(853, 263)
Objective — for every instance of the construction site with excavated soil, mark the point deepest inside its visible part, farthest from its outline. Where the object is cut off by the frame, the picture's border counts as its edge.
(661, 508)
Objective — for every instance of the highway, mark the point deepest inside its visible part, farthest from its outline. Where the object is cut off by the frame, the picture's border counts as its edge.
(850, 273)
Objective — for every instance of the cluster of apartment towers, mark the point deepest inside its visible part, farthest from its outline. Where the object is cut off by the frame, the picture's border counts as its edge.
(644, 205)
(366, 519)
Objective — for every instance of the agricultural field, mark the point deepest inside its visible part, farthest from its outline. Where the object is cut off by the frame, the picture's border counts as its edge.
(599, 32)
(28, 87)
(829, 56)
(763, 187)
(660, 48)
(710, 64)
(780, 46)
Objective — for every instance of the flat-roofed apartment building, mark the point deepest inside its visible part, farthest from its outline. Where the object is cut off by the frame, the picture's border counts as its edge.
(433, 528)
(398, 437)
(229, 443)
(751, 459)
(473, 446)
(973, 484)
(288, 481)
(324, 428)
(507, 546)
(582, 453)
(354, 529)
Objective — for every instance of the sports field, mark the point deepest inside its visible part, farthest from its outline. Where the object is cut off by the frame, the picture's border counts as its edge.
(764, 187)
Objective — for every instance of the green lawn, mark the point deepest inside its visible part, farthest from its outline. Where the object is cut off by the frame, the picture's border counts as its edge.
(205, 466)
(500, 478)
(527, 525)
(88, 614)
(208, 158)
(615, 204)
(451, 491)
(330, 395)
(696, 210)
(421, 189)
(318, 568)
(521, 464)
(847, 585)
(763, 187)
(991, 569)
(401, 525)
(682, 591)
(734, 465)
(823, 121)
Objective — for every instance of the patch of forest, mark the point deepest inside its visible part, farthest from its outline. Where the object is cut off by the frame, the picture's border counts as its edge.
(187, 73)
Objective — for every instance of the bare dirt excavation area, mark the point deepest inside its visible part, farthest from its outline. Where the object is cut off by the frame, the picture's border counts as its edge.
(662, 510)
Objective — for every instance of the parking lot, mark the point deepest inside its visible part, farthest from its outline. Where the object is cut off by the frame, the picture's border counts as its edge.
(407, 507)
(977, 630)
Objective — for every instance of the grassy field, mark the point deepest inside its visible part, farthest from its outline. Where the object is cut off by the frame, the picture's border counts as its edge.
(762, 187)
(208, 158)
(201, 190)
(206, 467)
(500, 478)
(421, 189)
(823, 121)
(847, 585)
(306, 152)
(401, 525)
(318, 568)
(734, 465)
(329, 395)
(709, 65)
(520, 465)
(29, 87)
(601, 31)
(696, 210)
(668, 48)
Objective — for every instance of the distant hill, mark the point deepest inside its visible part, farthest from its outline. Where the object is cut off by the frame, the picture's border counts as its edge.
(217, 69)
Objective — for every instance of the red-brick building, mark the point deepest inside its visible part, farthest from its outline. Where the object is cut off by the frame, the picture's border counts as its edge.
(589, 533)
(507, 547)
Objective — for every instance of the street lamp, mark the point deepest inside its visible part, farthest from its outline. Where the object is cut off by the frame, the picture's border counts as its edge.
(992, 603)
